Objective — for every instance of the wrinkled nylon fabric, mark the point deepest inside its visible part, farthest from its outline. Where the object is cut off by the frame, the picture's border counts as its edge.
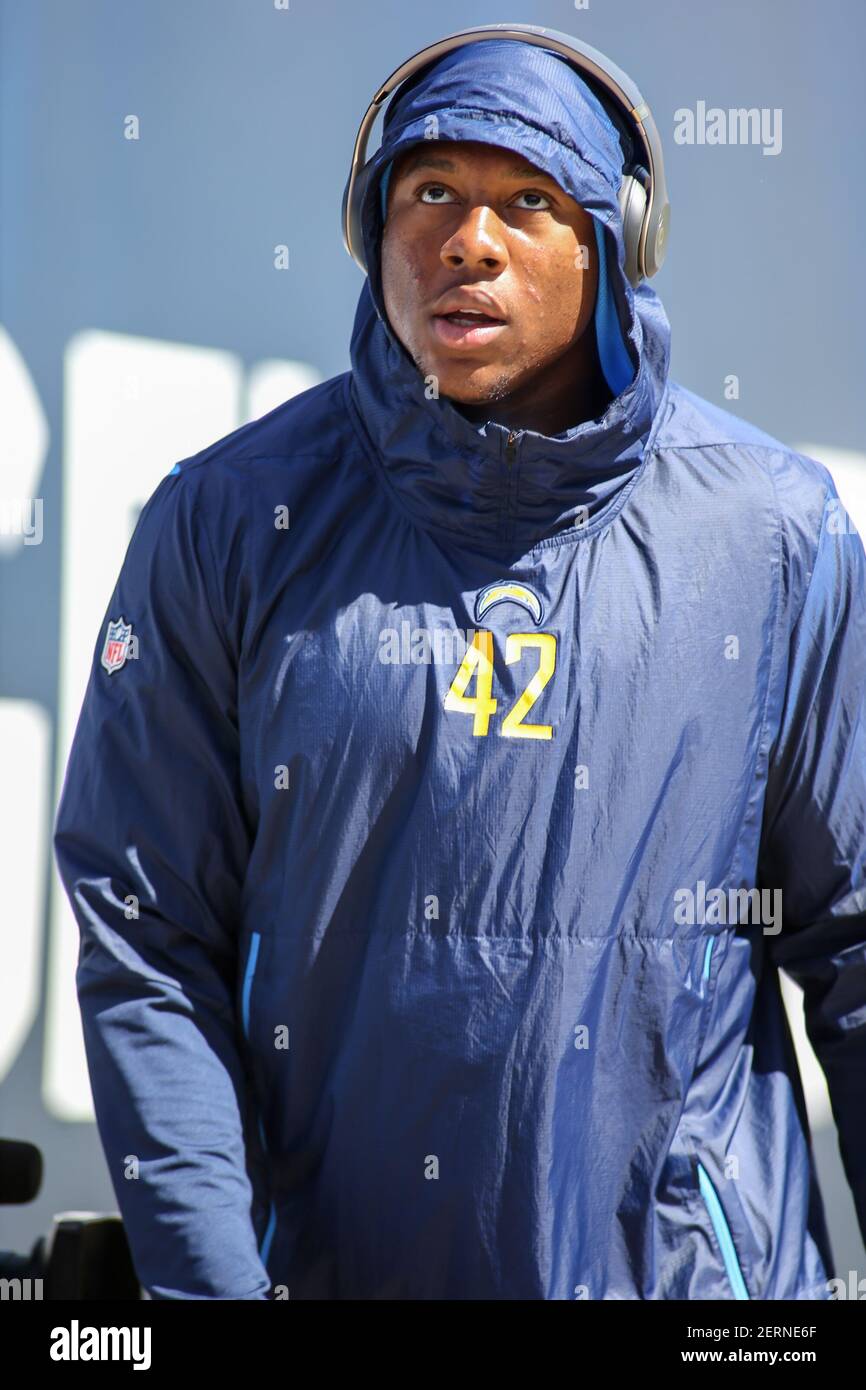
(391, 1000)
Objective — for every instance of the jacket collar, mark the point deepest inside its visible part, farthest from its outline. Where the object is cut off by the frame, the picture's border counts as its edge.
(454, 475)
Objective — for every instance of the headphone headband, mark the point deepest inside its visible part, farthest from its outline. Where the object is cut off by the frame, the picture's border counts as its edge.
(644, 204)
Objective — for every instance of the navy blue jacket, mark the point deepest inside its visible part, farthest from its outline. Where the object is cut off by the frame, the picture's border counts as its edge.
(436, 844)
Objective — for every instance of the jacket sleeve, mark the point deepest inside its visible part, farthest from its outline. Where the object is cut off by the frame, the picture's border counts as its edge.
(813, 843)
(151, 845)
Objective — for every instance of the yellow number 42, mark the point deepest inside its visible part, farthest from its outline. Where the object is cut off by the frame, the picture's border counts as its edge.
(478, 662)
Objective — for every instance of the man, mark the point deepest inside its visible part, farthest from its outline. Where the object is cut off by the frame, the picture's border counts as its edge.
(434, 856)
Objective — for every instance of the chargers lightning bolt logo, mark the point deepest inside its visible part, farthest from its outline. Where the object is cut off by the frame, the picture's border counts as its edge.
(509, 591)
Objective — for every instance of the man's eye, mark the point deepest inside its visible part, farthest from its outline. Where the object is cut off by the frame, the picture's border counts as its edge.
(531, 193)
(436, 189)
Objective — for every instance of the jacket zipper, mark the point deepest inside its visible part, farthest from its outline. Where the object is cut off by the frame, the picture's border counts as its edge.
(723, 1234)
(252, 958)
(510, 455)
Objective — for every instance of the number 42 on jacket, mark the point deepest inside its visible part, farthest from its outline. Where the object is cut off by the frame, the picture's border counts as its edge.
(478, 662)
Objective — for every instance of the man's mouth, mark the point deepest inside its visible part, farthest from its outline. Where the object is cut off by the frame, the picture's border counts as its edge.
(468, 316)
(464, 326)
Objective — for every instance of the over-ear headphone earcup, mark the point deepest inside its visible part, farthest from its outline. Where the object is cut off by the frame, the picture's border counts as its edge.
(355, 214)
(632, 206)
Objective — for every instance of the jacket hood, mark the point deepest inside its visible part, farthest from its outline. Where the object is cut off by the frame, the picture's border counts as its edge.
(449, 472)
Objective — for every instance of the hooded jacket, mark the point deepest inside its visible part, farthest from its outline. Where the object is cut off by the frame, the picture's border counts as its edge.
(436, 846)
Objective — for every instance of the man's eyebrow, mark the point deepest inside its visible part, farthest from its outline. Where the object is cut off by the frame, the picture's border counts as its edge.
(425, 159)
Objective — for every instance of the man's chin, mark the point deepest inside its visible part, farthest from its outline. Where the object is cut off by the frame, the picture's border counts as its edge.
(467, 385)
(491, 394)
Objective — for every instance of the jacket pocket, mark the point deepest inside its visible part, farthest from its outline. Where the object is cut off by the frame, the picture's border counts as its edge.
(723, 1234)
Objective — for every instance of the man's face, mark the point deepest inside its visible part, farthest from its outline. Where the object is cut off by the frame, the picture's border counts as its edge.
(478, 220)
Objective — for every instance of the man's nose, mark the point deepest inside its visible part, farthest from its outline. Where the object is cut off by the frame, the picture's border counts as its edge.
(478, 240)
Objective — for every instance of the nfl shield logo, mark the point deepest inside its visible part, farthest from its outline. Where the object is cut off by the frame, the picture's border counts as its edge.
(116, 647)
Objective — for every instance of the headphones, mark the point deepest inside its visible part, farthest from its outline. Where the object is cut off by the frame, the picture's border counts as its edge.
(643, 199)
